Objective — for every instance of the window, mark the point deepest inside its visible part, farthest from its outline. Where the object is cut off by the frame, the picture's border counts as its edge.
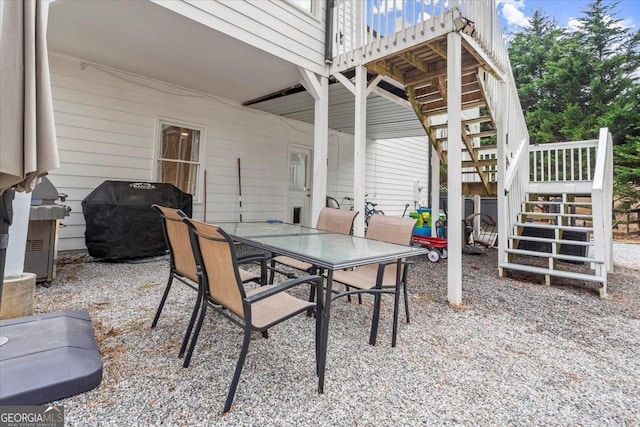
(179, 157)
(298, 172)
(306, 5)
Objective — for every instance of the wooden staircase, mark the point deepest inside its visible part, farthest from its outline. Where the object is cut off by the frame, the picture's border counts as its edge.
(422, 70)
(411, 52)
(553, 237)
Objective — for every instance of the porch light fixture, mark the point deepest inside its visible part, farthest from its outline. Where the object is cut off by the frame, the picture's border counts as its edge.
(465, 25)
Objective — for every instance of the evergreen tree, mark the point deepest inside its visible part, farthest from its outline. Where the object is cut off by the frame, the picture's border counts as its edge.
(627, 171)
(573, 82)
(532, 52)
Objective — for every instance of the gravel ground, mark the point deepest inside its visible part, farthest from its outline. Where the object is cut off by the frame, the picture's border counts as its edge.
(515, 353)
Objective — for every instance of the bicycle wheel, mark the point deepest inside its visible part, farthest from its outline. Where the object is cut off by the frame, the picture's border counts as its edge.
(332, 203)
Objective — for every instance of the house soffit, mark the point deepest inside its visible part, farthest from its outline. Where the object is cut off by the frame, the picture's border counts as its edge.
(144, 38)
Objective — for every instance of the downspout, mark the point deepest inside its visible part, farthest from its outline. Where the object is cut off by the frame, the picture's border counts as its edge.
(328, 35)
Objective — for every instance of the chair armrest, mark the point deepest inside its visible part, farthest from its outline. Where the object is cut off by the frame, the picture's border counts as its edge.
(314, 280)
(257, 257)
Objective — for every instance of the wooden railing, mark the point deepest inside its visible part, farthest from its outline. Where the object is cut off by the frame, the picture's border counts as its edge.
(578, 167)
(366, 29)
(563, 161)
(363, 26)
(602, 199)
(513, 155)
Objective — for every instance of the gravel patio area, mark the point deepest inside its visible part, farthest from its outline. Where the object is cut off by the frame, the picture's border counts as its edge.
(515, 353)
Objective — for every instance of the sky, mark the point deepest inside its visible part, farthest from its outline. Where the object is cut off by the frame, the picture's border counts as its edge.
(515, 13)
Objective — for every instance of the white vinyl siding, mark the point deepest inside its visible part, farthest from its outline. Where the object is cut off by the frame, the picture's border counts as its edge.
(277, 27)
(105, 123)
(106, 127)
(393, 166)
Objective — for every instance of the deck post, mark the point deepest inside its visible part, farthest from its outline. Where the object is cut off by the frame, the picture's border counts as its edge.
(360, 148)
(320, 150)
(318, 87)
(435, 190)
(502, 126)
(454, 168)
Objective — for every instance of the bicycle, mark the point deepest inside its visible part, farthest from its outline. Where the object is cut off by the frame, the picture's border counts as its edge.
(331, 202)
(369, 208)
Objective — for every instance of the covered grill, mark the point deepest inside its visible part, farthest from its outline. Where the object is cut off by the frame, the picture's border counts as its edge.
(42, 238)
(121, 223)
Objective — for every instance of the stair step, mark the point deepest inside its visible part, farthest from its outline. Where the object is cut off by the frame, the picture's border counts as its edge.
(562, 257)
(482, 119)
(550, 215)
(549, 203)
(556, 273)
(553, 226)
(545, 240)
(483, 134)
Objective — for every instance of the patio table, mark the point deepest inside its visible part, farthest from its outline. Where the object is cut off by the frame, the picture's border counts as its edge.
(328, 251)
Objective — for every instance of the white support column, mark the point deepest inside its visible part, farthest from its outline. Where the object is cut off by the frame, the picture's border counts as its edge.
(502, 126)
(435, 190)
(360, 148)
(318, 87)
(454, 168)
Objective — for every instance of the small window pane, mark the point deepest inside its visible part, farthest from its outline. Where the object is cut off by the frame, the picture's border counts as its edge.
(182, 175)
(298, 172)
(306, 5)
(178, 161)
(180, 143)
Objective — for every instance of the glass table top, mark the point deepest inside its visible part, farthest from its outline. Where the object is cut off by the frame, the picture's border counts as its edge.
(335, 251)
(266, 228)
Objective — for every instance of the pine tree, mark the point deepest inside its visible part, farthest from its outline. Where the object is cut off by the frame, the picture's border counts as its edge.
(573, 82)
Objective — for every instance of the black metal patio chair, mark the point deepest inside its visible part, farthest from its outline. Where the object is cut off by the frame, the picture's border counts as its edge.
(382, 278)
(182, 264)
(253, 310)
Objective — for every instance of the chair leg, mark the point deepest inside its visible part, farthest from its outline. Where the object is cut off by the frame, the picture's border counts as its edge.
(396, 308)
(192, 321)
(376, 319)
(263, 272)
(320, 353)
(272, 271)
(194, 339)
(406, 300)
(312, 298)
(239, 365)
(162, 301)
(312, 289)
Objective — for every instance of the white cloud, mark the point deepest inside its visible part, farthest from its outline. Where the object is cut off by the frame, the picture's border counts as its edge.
(574, 24)
(626, 23)
(511, 11)
(392, 6)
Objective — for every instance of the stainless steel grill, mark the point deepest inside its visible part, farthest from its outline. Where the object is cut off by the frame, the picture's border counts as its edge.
(42, 237)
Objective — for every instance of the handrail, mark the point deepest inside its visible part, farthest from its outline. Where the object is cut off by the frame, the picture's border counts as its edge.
(564, 161)
(602, 196)
(362, 28)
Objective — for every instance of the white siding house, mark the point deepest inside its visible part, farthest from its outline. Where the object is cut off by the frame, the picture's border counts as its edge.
(281, 28)
(107, 124)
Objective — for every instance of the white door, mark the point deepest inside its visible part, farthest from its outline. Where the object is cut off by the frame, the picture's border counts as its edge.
(299, 185)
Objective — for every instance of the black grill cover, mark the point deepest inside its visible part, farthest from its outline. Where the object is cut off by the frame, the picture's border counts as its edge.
(121, 223)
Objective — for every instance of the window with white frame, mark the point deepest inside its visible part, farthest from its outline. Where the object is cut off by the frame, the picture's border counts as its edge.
(306, 5)
(179, 159)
